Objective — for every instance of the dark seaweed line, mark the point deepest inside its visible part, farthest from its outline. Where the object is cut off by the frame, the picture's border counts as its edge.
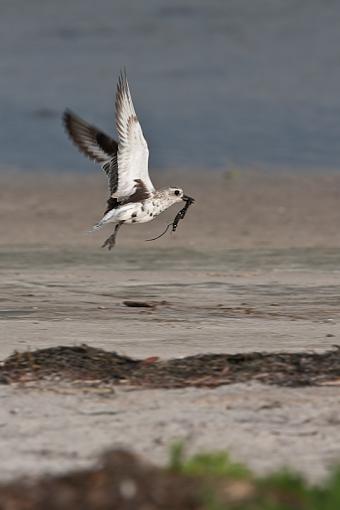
(74, 363)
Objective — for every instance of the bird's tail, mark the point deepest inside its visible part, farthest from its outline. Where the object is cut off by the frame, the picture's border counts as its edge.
(98, 226)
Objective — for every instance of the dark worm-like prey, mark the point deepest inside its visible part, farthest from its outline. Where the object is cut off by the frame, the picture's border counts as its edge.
(179, 216)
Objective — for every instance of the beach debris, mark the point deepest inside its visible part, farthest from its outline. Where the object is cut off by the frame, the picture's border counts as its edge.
(143, 304)
(138, 304)
(84, 363)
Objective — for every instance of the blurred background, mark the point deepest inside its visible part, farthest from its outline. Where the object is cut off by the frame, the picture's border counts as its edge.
(216, 84)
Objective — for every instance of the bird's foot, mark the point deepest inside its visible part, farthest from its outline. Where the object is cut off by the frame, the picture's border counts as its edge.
(110, 242)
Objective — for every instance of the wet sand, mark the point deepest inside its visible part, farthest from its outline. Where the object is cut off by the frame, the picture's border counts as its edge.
(254, 266)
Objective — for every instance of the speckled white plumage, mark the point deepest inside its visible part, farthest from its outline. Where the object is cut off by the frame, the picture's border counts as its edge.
(144, 211)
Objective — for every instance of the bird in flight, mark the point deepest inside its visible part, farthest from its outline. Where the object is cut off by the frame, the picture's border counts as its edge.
(133, 198)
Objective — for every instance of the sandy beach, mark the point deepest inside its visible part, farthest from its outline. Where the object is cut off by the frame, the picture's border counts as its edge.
(253, 267)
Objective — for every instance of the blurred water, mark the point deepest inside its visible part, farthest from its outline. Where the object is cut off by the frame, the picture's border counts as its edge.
(216, 83)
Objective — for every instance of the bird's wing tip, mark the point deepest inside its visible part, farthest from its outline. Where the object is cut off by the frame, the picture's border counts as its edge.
(67, 117)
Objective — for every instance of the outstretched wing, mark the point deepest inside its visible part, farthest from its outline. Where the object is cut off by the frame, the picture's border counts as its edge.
(133, 153)
(95, 144)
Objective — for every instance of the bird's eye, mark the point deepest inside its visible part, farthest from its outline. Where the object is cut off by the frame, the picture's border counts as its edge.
(177, 192)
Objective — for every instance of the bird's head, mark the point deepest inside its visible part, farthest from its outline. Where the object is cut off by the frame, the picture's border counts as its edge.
(178, 195)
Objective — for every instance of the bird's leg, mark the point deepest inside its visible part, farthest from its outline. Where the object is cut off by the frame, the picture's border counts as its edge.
(111, 241)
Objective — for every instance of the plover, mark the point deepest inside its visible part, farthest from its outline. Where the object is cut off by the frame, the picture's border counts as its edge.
(133, 198)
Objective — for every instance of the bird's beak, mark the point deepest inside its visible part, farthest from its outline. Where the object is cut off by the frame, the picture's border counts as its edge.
(188, 199)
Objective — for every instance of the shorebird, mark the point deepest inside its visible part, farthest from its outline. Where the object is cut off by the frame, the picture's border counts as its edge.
(133, 198)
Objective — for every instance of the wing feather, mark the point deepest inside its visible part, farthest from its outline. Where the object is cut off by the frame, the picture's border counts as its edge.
(133, 152)
(125, 163)
(95, 144)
